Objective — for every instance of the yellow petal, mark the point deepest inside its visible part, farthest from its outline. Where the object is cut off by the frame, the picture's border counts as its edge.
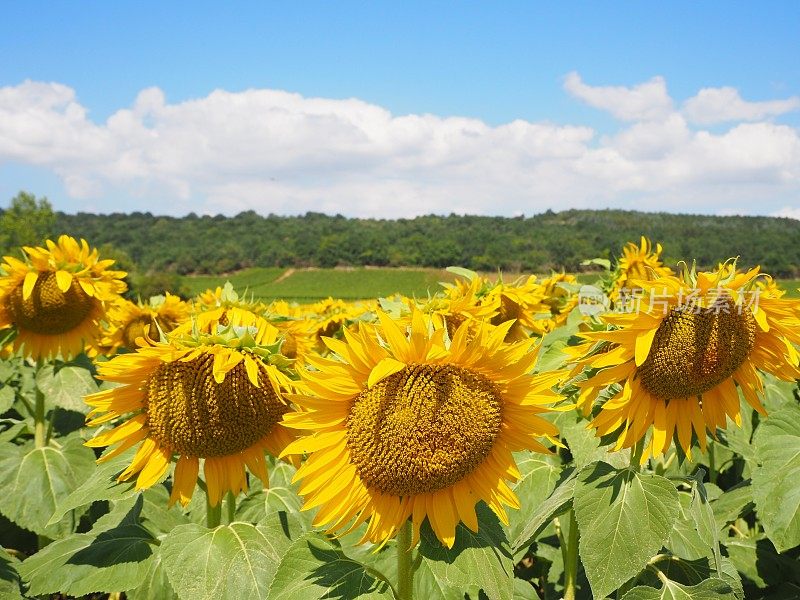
(643, 344)
(154, 469)
(63, 280)
(388, 366)
(184, 480)
(27, 285)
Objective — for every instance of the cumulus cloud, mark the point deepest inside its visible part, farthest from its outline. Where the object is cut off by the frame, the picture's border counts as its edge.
(720, 105)
(645, 101)
(275, 151)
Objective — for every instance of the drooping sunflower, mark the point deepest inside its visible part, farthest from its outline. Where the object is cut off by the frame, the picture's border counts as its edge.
(674, 364)
(129, 321)
(522, 301)
(210, 398)
(642, 262)
(57, 296)
(404, 425)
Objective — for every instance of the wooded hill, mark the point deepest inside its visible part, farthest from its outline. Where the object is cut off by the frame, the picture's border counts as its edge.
(206, 244)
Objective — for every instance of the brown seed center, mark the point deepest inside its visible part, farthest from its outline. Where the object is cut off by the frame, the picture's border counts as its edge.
(423, 429)
(190, 413)
(692, 352)
(48, 310)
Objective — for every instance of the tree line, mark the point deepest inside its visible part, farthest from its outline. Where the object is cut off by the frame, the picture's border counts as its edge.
(543, 242)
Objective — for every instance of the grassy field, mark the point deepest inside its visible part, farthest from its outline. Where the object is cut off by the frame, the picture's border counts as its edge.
(308, 285)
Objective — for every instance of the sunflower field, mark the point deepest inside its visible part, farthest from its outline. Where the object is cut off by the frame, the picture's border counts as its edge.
(638, 438)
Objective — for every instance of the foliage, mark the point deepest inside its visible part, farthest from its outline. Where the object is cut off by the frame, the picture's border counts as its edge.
(26, 222)
(559, 241)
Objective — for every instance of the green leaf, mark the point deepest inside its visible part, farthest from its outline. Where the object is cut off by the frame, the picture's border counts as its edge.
(16, 429)
(711, 589)
(155, 584)
(102, 484)
(758, 561)
(315, 567)
(109, 561)
(462, 272)
(692, 572)
(555, 504)
(733, 504)
(584, 445)
(694, 533)
(540, 474)
(233, 561)
(278, 504)
(477, 561)
(66, 386)
(624, 518)
(9, 578)
(34, 480)
(7, 397)
(776, 481)
(156, 516)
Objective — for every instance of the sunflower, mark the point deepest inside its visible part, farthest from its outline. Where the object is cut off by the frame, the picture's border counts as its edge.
(57, 297)
(129, 321)
(460, 301)
(215, 398)
(675, 363)
(640, 262)
(409, 426)
(521, 301)
(559, 297)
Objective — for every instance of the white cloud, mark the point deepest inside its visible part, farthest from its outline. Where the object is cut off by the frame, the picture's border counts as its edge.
(274, 151)
(720, 105)
(645, 101)
(790, 212)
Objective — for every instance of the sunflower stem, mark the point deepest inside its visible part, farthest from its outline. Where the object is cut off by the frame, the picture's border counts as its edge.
(405, 573)
(40, 425)
(571, 558)
(712, 464)
(230, 506)
(213, 514)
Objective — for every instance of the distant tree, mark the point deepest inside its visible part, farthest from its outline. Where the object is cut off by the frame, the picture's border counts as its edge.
(26, 222)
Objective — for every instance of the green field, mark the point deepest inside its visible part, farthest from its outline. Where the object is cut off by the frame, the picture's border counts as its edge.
(308, 285)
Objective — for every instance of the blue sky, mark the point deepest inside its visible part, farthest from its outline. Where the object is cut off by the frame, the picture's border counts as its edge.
(458, 72)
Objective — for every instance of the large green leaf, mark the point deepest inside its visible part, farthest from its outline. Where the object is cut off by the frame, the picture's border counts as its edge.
(316, 567)
(776, 481)
(758, 561)
(733, 504)
(477, 561)
(584, 445)
(110, 561)
(556, 503)
(279, 503)
(100, 485)
(9, 578)
(233, 561)
(711, 589)
(540, 474)
(624, 518)
(66, 386)
(34, 480)
(155, 584)
(694, 535)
